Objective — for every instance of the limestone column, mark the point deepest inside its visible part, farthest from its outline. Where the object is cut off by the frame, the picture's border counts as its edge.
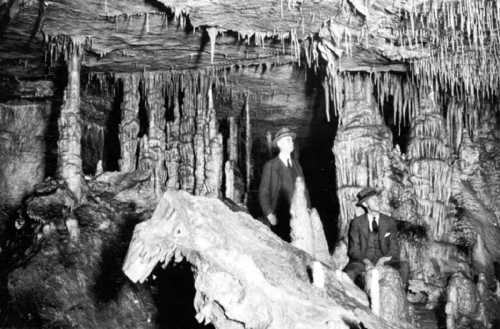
(129, 125)
(70, 131)
(155, 106)
(361, 148)
(428, 152)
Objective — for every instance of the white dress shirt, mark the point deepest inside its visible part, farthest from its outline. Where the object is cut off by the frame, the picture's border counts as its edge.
(370, 218)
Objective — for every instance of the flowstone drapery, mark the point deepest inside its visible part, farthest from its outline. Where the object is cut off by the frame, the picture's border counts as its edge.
(360, 148)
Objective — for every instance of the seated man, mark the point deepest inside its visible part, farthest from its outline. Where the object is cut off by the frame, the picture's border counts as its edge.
(371, 237)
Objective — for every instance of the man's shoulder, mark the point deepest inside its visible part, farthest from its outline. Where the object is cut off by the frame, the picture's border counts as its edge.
(358, 219)
(390, 221)
(272, 162)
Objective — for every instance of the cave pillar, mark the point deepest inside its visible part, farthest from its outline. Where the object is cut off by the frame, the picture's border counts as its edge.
(213, 150)
(155, 106)
(172, 156)
(129, 125)
(361, 148)
(429, 154)
(186, 134)
(70, 130)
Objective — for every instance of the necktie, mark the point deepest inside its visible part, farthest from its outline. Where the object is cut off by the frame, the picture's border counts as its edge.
(374, 225)
(289, 163)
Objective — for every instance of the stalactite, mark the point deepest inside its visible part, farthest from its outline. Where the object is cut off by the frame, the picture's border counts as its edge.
(129, 125)
(70, 130)
(212, 34)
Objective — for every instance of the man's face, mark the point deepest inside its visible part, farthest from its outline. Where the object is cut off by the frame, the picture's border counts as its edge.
(372, 203)
(285, 144)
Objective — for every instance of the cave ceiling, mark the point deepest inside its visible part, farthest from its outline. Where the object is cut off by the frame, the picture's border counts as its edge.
(128, 36)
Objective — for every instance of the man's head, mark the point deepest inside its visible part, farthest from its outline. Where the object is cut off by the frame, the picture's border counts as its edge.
(284, 140)
(368, 198)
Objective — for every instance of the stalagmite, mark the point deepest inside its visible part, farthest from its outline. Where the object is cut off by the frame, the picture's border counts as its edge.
(386, 291)
(231, 163)
(301, 232)
(129, 125)
(70, 130)
(213, 150)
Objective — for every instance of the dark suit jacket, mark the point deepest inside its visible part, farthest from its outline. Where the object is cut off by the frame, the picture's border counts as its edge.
(358, 237)
(270, 184)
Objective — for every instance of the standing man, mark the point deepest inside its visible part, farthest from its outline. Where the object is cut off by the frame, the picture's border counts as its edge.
(278, 184)
(372, 236)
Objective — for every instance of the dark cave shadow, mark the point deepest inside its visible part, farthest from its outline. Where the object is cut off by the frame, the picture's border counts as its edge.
(173, 294)
(110, 278)
(318, 162)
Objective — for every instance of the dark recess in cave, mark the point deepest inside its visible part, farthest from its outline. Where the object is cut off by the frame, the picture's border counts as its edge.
(173, 292)
(400, 130)
(111, 150)
(52, 132)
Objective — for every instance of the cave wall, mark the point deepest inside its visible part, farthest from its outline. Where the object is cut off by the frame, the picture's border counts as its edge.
(23, 127)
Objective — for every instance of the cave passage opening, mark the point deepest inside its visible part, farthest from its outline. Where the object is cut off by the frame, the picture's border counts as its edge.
(174, 291)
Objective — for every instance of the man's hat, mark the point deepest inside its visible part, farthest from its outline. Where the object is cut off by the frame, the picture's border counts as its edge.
(365, 194)
(283, 132)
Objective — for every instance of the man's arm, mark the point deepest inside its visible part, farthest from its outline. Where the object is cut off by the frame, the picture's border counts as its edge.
(354, 251)
(265, 190)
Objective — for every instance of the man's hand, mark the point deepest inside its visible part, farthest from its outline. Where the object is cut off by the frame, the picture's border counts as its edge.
(383, 260)
(272, 219)
(367, 263)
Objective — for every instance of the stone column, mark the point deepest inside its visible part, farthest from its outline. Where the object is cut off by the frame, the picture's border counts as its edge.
(70, 131)
(361, 148)
(428, 152)
(129, 125)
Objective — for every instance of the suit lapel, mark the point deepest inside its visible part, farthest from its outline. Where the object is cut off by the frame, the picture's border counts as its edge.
(365, 228)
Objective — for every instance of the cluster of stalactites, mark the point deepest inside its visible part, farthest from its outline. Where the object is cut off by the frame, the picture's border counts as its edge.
(463, 42)
(176, 139)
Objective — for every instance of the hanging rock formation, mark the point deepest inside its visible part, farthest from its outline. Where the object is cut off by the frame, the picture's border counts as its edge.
(245, 275)
(361, 147)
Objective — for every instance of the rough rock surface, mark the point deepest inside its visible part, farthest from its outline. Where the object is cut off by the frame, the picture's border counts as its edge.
(22, 149)
(75, 282)
(245, 276)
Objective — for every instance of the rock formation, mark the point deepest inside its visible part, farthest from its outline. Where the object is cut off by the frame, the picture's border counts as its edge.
(70, 129)
(245, 275)
(22, 129)
(361, 147)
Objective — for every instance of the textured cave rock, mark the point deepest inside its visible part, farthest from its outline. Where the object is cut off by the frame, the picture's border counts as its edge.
(23, 128)
(70, 127)
(77, 283)
(245, 276)
(361, 148)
